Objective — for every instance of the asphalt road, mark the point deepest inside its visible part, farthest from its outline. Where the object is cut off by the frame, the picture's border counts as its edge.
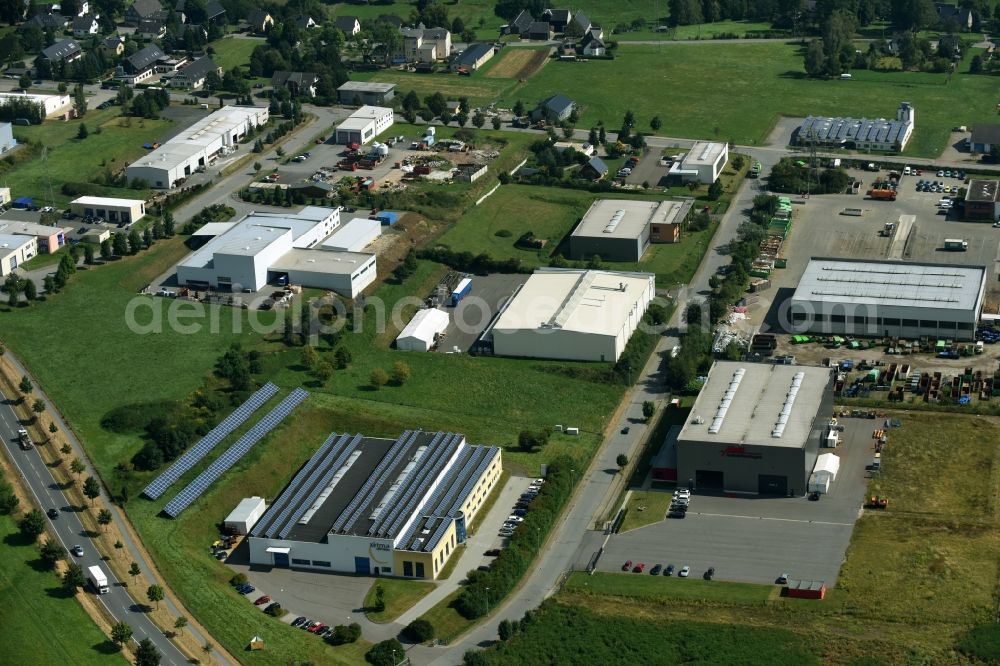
(70, 531)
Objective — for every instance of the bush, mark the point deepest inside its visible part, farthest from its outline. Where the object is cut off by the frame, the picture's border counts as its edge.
(343, 634)
(238, 579)
(503, 233)
(479, 264)
(384, 653)
(982, 642)
(275, 610)
(419, 631)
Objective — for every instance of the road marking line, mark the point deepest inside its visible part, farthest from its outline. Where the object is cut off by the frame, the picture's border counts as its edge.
(784, 520)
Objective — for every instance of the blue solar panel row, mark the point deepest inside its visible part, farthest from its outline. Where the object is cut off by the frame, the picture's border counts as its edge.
(429, 506)
(404, 440)
(194, 490)
(277, 506)
(193, 456)
(389, 463)
(405, 507)
(471, 483)
(317, 486)
(438, 533)
(475, 459)
(404, 495)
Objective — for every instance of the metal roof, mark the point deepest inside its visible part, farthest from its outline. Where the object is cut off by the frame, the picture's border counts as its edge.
(982, 191)
(625, 218)
(858, 130)
(859, 282)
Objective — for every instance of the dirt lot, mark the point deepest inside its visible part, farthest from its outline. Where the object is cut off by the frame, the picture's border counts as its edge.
(517, 63)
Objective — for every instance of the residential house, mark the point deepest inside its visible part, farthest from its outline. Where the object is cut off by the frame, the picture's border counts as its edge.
(65, 50)
(83, 8)
(114, 44)
(554, 109)
(298, 83)
(592, 45)
(259, 21)
(472, 58)
(557, 18)
(984, 138)
(520, 24)
(595, 169)
(143, 9)
(948, 13)
(199, 31)
(51, 21)
(540, 30)
(214, 10)
(141, 65)
(349, 25)
(151, 28)
(422, 44)
(304, 22)
(85, 26)
(193, 76)
(580, 24)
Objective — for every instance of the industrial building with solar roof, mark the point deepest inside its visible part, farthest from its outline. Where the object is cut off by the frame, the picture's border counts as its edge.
(368, 505)
(891, 299)
(755, 429)
(858, 133)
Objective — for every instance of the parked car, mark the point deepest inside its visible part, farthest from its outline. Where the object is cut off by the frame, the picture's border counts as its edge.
(677, 513)
(52, 513)
(655, 571)
(709, 574)
(669, 571)
(520, 513)
(627, 565)
(782, 579)
(249, 589)
(639, 568)
(77, 551)
(299, 620)
(813, 497)
(515, 519)
(274, 605)
(492, 552)
(685, 571)
(682, 492)
(262, 600)
(314, 626)
(625, 430)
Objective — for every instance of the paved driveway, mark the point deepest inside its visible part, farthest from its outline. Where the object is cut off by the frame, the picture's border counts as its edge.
(754, 539)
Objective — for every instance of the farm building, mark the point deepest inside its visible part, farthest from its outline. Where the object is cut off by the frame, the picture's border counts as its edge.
(15, 250)
(354, 235)
(472, 58)
(246, 514)
(364, 125)
(622, 229)
(366, 92)
(982, 200)
(106, 208)
(216, 134)
(755, 428)
(374, 506)
(572, 314)
(858, 133)
(702, 164)
(49, 238)
(422, 331)
(892, 299)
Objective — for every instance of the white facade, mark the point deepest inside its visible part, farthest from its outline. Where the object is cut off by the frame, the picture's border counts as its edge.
(53, 105)
(422, 331)
(572, 314)
(346, 273)
(827, 466)
(15, 250)
(703, 163)
(354, 235)
(246, 514)
(365, 124)
(216, 134)
(110, 209)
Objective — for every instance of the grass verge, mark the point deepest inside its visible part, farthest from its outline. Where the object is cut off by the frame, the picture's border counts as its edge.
(400, 595)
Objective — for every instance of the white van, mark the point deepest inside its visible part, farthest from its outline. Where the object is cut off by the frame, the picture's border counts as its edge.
(846, 77)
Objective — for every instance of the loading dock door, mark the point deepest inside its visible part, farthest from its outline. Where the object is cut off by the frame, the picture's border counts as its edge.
(770, 484)
(280, 556)
(362, 565)
(705, 479)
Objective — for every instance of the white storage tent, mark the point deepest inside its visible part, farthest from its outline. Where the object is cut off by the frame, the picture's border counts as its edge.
(422, 331)
(827, 466)
(246, 514)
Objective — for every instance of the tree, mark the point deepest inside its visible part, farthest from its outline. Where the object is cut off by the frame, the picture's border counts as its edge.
(88, 254)
(385, 653)
(92, 489)
(715, 190)
(155, 594)
(32, 524)
(104, 518)
(51, 552)
(648, 409)
(379, 378)
(119, 244)
(342, 357)
(912, 14)
(497, 123)
(168, 224)
(346, 634)
(26, 386)
(106, 251)
(621, 461)
(30, 289)
(134, 571)
(121, 633)
(134, 242)
(505, 630)
(379, 598)
(478, 119)
(65, 449)
(147, 654)
(77, 467)
(147, 237)
(24, 82)
(79, 101)
(38, 406)
(400, 373)
(815, 58)
(518, 109)
(73, 578)
(309, 357)
(419, 631)
(655, 123)
(180, 623)
(976, 65)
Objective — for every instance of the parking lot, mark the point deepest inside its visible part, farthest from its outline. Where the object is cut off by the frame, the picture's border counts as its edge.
(754, 539)
(475, 311)
(649, 170)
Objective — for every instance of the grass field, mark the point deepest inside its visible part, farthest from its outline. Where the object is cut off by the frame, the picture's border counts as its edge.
(750, 86)
(233, 51)
(668, 588)
(41, 625)
(646, 507)
(698, 31)
(400, 595)
(480, 89)
(551, 213)
(448, 622)
(118, 143)
(518, 63)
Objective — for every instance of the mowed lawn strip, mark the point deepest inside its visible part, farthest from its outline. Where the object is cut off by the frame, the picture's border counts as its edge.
(400, 595)
(666, 588)
(41, 625)
(233, 51)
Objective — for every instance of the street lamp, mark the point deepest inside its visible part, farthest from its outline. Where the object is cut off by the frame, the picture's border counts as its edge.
(487, 601)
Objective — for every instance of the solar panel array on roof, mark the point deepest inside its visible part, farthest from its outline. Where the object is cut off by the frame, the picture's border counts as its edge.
(223, 463)
(193, 455)
(486, 458)
(367, 492)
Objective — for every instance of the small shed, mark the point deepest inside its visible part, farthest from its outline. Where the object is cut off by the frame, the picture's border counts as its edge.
(824, 473)
(806, 589)
(422, 331)
(256, 643)
(246, 514)
(387, 218)
(96, 236)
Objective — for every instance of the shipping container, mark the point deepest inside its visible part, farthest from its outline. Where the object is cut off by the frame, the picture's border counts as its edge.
(461, 291)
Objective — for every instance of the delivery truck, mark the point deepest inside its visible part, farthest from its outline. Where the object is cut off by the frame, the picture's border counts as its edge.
(98, 579)
(956, 244)
(461, 291)
(24, 439)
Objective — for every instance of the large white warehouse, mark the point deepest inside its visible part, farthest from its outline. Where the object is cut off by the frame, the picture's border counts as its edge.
(216, 134)
(891, 299)
(364, 125)
(573, 314)
(273, 248)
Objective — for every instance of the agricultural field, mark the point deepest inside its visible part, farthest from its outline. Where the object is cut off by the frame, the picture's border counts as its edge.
(41, 624)
(233, 51)
(517, 64)
(697, 31)
(759, 83)
(480, 89)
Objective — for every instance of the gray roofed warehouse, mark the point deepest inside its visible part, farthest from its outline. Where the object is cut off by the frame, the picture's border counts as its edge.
(861, 133)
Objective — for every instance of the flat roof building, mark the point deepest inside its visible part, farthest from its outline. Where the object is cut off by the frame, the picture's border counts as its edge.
(246, 514)
(15, 250)
(755, 428)
(116, 211)
(891, 299)
(218, 133)
(858, 133)
(982, 200)
(702, 164)
(49, 238)
(53, 106)
(375, 506)
(364, 125)
(354, 235)
(572, 314)
(621, 229)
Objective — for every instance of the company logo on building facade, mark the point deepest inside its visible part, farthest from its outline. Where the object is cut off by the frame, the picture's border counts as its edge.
(378, 547)
(740, 452)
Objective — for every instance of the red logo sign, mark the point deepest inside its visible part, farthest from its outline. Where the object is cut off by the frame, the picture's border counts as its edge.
(740, 452)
